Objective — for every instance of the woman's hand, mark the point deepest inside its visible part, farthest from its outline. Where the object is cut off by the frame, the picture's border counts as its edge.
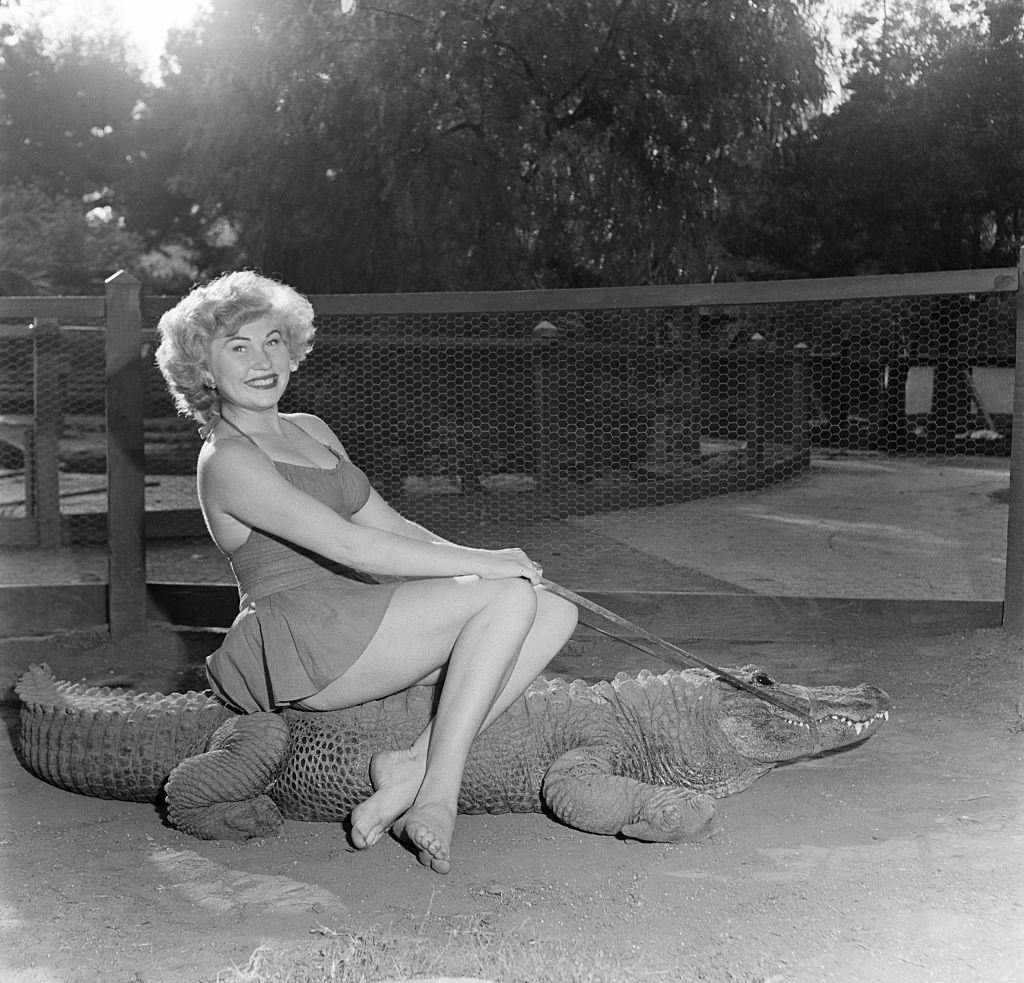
(497, 564)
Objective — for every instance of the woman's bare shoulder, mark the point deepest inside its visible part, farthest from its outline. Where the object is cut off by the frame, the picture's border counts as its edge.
(315, 427)
(227, 456)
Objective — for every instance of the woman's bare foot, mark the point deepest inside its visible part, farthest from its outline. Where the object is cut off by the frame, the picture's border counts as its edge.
(396, 776)
(428, 829)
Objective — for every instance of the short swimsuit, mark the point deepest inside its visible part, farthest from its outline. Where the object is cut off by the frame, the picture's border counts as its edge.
(303, 620)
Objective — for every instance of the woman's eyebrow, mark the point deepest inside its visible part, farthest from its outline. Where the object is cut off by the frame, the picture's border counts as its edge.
(244, 337)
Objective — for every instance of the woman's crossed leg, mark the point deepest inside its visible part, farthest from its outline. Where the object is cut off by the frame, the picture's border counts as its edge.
(484, 641)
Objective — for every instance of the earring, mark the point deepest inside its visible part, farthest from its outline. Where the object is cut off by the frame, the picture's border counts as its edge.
(209, 383)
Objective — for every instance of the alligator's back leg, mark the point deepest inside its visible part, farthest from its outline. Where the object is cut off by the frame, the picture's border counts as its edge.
(221, 794)
(582, 789)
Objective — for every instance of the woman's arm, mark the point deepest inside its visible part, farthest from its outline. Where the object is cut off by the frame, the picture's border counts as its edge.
(240, 481)
(378, 514)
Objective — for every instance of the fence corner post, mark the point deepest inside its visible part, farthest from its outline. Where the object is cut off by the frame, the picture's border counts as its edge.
(801, 416)
(757, 420)
(126, 459)
(545, 336)
(1013, 593)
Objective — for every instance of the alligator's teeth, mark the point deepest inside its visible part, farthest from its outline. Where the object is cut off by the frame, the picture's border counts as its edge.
(858, 727)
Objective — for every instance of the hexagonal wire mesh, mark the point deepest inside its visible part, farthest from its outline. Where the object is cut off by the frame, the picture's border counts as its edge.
(668, 437)
(52, 424)
(665, 435)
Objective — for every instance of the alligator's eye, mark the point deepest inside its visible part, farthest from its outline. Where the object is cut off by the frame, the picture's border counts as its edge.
(763, 679)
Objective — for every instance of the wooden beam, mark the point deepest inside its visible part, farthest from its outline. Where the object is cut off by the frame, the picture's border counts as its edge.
(64, 309)
(1003, 280)
(672, 615)
(758, 617)
(126, 459)
(1014, 583)
(18, 532)
(38, 609)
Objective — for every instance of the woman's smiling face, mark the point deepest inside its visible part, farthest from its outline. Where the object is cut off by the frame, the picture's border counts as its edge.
(252, 365)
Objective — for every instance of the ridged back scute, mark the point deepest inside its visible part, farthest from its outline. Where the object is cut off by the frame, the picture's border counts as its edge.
(556, 692)
(108, 742)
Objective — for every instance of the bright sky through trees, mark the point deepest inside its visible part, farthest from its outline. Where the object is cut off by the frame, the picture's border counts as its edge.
(143, 23)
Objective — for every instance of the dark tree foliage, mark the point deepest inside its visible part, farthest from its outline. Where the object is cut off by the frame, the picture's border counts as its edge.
(50, 244)
(66, 147)
(66, 114)
(922, 167)
(425, 145)
(155, 207)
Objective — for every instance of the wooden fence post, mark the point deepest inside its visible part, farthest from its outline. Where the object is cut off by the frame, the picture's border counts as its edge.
(545, 336)
(42, 445)
(126, 459)
(801, 416)
(757, 412)
(1013, 592)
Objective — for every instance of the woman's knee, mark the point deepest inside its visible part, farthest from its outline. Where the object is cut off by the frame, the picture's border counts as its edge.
(561, 613)
(515, 597)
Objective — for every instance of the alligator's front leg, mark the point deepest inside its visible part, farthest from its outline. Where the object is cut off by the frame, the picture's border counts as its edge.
(221, 794)
(582, 789)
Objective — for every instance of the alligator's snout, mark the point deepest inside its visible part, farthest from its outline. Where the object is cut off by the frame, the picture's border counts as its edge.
(872, 697)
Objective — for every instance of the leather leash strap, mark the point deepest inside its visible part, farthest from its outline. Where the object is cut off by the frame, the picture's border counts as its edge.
(681, 657)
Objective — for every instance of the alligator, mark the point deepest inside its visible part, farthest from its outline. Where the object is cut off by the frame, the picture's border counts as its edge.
(642, 757)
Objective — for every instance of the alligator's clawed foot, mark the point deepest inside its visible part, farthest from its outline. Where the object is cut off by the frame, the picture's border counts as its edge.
(427, 829)
(221, 794)
(249, 819)
(668, 815)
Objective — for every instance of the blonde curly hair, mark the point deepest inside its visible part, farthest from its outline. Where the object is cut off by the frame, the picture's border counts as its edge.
(218, 309)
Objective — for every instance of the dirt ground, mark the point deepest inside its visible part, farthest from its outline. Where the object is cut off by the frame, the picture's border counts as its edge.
(900, 859)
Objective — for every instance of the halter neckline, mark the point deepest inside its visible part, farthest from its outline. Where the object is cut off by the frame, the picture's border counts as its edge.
(236, 427)
(208, 429)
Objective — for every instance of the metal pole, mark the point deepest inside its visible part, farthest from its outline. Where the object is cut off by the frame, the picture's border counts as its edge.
(680, 656)
(1013, 594)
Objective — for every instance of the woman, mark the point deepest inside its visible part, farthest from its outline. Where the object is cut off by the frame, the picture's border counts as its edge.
(291, 512)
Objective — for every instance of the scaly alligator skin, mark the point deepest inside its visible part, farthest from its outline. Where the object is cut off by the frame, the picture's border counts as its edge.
(642, 757)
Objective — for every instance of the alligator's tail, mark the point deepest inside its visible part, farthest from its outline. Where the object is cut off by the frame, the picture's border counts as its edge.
(110, 743)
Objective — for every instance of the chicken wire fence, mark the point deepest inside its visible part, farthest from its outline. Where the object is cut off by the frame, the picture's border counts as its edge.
(580, 432)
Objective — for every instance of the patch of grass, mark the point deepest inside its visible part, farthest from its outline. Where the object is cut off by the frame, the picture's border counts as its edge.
(461, 946)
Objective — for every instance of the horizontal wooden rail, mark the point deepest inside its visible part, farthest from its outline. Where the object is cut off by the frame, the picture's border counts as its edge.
(686, 295)
(1002, 280)
(127, 599)
(62, 308)
(25, 330)
(678, 616)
